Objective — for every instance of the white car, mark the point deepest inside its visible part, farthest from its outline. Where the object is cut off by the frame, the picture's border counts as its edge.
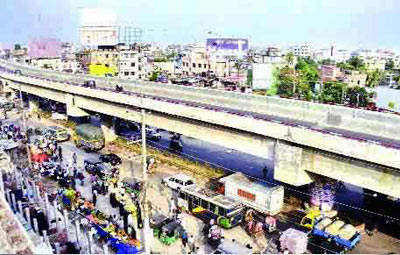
(178, 181)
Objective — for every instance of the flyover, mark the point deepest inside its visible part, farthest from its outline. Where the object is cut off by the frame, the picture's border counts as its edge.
(301, 137)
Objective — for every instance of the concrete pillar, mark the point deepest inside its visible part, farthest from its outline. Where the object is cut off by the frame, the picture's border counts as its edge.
(72, 109)
(288, 165)
(108, 127)
(33, 104)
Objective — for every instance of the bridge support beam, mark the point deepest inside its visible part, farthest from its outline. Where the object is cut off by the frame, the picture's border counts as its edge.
(288, 165)
(108, 127)
(72, 110)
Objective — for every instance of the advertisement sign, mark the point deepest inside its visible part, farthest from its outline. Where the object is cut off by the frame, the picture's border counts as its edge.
(44, 48)
(224, 44)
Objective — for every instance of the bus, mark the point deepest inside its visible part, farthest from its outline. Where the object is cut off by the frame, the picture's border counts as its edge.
(207, 204)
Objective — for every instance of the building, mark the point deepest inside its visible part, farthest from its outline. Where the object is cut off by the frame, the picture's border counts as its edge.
(329, 73)
(373, 63)
(354, 78)
(132, 63)
(20, 55)
(196, 62)
(47, 63)
(302, 50)
(342, 55)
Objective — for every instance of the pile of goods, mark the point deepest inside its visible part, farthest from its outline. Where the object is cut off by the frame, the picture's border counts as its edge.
(293, 240)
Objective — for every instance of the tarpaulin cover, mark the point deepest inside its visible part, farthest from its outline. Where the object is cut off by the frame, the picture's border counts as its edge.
(293, 240)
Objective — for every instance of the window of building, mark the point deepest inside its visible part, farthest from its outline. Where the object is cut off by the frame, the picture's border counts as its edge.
(132, 73)
(204, 65)
(199, 65)
(140, 76)
(126, 73)
(132, 64)
(194, 65)
(246, 195)
(140, 68)
(106, 55)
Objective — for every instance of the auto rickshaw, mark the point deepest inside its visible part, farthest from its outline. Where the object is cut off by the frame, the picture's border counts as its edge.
(170, 232)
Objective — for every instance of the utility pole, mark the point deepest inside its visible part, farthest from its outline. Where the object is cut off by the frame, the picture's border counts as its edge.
(146, 223)
(21, 105)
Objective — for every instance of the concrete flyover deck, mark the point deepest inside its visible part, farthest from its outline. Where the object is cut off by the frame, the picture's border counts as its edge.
(251, 132)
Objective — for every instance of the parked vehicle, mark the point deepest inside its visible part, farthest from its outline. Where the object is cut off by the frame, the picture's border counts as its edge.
(178, 181)
(207, 204)
(132, 131)
(18, 72)
(96, 168)
(261, 197)
(58, 133)
(110, 158)
(170, 232)
(89, 84)
(89, 137)
(322, 226)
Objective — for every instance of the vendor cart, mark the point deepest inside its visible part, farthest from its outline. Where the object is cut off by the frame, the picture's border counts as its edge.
(170, 232)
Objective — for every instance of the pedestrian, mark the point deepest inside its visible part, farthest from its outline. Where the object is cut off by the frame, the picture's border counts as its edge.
(172, 206)
(38, 116)
(190, 243)
(265, 172)
(94, 194)
(74, 158)
(60, 153)
(184, 238)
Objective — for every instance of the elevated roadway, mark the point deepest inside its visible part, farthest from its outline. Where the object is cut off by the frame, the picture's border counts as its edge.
(299, 146)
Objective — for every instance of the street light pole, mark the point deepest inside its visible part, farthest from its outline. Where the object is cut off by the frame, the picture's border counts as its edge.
(146, 223)
(21, 105)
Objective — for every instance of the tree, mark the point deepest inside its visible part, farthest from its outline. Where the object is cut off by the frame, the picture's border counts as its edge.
(373, 78)
(289, 58)
(357, 96)
(17, 46)
(389, 65)
(391, 105)
(333, 92)
(327, 62)
(154, 76)
(357, 63)
(286, 81)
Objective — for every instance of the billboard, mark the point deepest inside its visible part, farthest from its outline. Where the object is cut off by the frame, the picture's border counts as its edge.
(98, 27)
(227, 44)
(44, 48)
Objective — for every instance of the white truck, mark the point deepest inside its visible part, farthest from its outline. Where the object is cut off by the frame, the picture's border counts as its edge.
(259, 196)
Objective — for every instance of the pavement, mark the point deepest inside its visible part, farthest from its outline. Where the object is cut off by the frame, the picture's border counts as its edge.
(159, 196)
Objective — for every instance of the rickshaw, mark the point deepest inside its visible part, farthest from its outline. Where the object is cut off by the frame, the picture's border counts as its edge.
(215, 235)
(170, 232)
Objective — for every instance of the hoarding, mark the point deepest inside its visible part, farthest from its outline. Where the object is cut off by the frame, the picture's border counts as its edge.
(228, 44)
(98, 27)
(44, 48)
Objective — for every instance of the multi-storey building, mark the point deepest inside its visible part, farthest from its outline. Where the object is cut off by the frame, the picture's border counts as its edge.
(132, 63)
(302, 50)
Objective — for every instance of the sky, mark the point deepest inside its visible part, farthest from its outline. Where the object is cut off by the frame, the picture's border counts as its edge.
(346, 23)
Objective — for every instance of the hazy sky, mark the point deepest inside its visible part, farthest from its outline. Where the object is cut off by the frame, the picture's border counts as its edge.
(348, 23)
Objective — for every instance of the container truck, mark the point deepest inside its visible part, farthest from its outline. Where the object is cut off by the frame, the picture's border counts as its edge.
(259, 196)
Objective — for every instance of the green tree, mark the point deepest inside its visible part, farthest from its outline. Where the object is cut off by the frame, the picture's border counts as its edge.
(357, 96)
(289, 58)
(389, 65)
(286, 81)
(273, 90)
(154, 76)
(327, 62)
(373, 78)
(391, 105)
(357, 63)
(17, 46)
(333, 92)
